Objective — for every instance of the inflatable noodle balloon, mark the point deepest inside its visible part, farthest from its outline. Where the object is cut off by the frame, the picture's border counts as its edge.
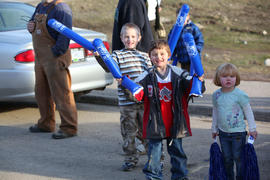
(134, 88)
(177, 29)
(107, 58)
(70, 34)
(196, 64)
(193, 54)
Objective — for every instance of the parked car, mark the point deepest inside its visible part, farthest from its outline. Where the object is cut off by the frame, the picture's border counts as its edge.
(17, 76)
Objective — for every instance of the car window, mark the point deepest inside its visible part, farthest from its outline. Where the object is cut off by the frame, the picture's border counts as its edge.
(14, 16)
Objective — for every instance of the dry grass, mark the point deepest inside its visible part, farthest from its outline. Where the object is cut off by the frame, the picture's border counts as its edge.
(232, 29)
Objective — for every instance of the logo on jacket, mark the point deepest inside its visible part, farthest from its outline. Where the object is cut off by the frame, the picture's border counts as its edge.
(165, 94)
(150, 90)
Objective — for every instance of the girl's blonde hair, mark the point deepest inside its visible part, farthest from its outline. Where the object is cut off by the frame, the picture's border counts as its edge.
(226, 69)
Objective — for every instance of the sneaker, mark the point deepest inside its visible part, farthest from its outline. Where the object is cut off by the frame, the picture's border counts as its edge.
(127, 166)
(36, 129)
(62, 135)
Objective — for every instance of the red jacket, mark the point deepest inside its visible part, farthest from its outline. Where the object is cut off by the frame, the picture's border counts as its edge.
(153, 125)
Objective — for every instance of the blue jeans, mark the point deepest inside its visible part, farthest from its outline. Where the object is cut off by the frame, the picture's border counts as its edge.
(153, 167)
(232, 145)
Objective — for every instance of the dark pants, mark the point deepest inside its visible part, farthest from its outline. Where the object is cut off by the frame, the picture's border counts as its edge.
(232, 145)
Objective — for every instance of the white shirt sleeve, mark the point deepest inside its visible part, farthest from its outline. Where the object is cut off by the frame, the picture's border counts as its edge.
(214, 120)
(250, 117)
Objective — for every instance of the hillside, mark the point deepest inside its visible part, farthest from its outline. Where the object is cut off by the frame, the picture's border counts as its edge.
(234, 31)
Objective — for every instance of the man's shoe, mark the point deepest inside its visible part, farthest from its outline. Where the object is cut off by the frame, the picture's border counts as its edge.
(128, 166)
(61, 135)
(36, 129)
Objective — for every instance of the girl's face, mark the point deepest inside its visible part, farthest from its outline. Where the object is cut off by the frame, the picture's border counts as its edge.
(227, 82)
(130, 38)
(159, 57)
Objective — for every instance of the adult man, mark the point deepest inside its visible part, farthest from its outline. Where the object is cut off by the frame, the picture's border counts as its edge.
(153, 10)
(53, 82)
(132, 11)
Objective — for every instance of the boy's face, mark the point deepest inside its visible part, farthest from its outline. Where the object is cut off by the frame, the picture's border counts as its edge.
(187, 18)
(130, 38)
(159, 57)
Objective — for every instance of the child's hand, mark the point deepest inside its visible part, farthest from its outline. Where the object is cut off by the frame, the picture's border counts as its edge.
(253, 134)
(95, 53)
(214, 135)
(119, 80)
(201, 78)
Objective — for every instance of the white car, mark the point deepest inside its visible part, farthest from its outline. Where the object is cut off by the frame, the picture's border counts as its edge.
(17, 76)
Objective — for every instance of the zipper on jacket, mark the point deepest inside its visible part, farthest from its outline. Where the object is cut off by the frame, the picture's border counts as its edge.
(156, 101)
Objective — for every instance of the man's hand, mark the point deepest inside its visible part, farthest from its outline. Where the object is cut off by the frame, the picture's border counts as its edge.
(31, 26)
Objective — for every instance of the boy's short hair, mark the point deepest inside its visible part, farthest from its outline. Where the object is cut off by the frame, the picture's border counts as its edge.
(226, 69)
(131, 26)
(160, 44)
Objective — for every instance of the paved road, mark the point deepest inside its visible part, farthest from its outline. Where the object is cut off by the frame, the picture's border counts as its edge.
(95, 154)
(258, 92)
(34, 1)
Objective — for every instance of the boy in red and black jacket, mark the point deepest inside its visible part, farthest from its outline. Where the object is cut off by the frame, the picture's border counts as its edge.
(166, 92)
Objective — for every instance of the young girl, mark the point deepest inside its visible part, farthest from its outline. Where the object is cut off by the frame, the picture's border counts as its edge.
(230, 105)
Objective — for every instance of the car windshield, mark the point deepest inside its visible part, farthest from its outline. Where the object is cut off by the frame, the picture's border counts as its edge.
(14, 16)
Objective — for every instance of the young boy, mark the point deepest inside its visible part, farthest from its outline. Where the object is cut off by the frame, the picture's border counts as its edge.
(180, 53)
(131, 63)
(166, 90)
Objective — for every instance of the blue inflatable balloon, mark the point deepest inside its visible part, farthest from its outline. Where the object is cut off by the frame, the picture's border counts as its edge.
(177, 28)
(114, 68)
(196, 89)
(196, 64)
(193, 53)
(70, 34)
(107, 58)
(98, 46)
(131, 86)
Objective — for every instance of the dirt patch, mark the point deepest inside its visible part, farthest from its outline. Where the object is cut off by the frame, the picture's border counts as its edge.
(233, 30)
